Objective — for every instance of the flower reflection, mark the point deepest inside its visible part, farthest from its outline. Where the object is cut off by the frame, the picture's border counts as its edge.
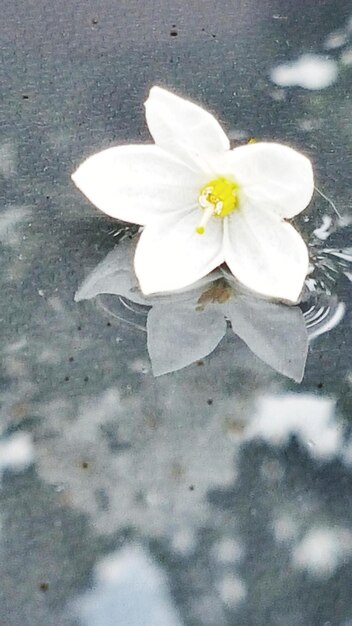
(186, 326)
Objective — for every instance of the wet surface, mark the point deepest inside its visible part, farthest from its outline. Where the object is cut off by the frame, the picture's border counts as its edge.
(218, 493)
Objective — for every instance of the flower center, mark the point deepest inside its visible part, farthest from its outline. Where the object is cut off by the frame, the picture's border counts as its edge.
(218, 198)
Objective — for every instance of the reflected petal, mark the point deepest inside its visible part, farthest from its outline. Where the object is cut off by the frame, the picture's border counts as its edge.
(276, 333)
(178, 335)
(182, 127)
(114, 275)
(138, 183)
(265, 254)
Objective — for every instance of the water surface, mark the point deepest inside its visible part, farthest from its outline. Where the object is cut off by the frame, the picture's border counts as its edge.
(219, 493)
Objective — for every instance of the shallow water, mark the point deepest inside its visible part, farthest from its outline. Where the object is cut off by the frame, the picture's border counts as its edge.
(219, 493)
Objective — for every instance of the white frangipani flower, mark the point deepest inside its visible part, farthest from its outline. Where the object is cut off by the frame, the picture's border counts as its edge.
(203, 204)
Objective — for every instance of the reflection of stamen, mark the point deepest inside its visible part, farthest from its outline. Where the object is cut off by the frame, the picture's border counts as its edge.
(208, 212)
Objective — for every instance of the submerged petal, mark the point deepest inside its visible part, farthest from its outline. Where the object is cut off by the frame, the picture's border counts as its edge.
(276, 333)
(178, 335)
(265, 254)
(113, 275)
(171, 255)
(182, 127)
(137, 183)
(272, 176)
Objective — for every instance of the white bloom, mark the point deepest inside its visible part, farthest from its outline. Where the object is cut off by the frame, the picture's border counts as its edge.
(203, 204)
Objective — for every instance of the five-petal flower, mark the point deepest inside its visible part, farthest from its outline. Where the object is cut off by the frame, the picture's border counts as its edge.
(202, 204)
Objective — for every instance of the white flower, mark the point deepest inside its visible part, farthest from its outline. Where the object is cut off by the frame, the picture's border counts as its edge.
(203, 204)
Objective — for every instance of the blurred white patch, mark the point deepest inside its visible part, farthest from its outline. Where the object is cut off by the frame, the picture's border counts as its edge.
(285, 529)
(15, 367)
(308, 417)
(10, 234)
(57, 305)
(16, 453)
(16, 346)
(227, 550)
(309, 125)
(140, 366)
(346, 57)
(279, 95)
(129, 590)
(310, 71)
(335, 40)
(183, 541)
(50, 355)
(237, 134)
(232, 590)
(7, 159)
(322, 550)
(208, 609)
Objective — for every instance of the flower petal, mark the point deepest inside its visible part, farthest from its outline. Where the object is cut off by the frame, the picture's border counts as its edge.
(265, 254)
(271, 176)
(171, 255)
(137, 183)
(182, 127)
(276, 333)
(178, 335)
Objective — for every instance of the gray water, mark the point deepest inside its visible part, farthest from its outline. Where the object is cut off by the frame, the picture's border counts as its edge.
(219, 493)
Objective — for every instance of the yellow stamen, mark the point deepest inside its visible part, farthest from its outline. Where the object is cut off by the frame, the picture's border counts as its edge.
(218, 198)
(208, 212)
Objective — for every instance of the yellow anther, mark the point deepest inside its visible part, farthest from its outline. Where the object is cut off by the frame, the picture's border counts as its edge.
(218, 198)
